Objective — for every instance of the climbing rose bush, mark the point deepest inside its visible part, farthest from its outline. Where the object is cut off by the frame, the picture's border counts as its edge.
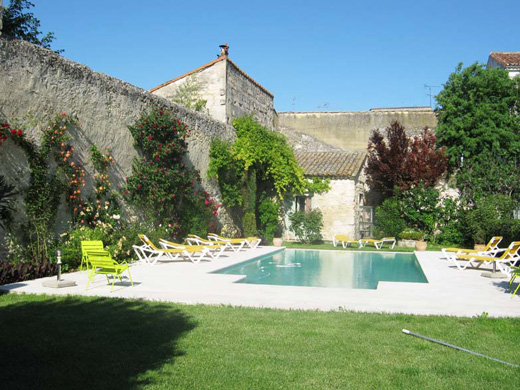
(161, 184)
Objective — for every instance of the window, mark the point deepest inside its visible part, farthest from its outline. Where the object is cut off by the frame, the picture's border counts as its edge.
(303, 203)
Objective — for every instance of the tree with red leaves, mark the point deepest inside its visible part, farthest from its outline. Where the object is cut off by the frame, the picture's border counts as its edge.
(402, 161)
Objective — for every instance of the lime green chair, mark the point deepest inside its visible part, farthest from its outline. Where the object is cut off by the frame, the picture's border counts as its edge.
(101, 262)
(89, 246)
(515, 271)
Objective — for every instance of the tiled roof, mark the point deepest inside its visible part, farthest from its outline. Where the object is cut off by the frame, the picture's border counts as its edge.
(189, 73)
(342, 164)
(506, 58)
(200, 68)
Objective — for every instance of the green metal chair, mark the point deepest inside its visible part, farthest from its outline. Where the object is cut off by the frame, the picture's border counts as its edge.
(101, 262)
(515, 271)
(89, 246)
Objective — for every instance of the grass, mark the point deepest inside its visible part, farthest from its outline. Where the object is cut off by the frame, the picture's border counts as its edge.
(108, 343)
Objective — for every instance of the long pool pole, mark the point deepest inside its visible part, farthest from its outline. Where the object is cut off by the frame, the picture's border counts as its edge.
(405, 331)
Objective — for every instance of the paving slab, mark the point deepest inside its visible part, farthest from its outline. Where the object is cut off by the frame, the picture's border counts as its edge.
(449, 291)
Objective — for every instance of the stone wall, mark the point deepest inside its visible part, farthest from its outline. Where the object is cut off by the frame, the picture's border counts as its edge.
(351, 130)
(340, 209)
(36, 83)
(246, 97)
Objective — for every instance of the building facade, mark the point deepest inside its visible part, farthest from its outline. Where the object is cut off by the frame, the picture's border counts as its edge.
(229, 91)
(341, 206)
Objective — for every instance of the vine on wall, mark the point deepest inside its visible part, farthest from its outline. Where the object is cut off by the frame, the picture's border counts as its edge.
(264, 157)
(161, 184)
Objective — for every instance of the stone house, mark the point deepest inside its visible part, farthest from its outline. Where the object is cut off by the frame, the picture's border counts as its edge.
(342, 205)
(509, 61)
(228, 90)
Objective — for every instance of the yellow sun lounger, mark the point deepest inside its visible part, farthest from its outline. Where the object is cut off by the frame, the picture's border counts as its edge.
(504, 262)
(237, 243)
(344, 240)
(377, 243)
(212, 251)
(490, 249)
(149, 253)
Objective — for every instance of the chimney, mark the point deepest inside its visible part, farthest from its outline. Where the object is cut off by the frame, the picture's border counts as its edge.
(224, 50)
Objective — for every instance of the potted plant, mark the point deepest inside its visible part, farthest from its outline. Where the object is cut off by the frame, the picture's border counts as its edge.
(411, 237)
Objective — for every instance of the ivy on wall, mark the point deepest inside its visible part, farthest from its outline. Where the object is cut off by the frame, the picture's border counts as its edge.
(258, 167)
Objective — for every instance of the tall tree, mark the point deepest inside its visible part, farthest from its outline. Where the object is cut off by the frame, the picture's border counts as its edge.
(402, 161)
(480, 127)
(20, 24)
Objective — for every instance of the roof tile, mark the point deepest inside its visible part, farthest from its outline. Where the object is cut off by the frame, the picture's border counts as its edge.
(506, 58)
(340, 164)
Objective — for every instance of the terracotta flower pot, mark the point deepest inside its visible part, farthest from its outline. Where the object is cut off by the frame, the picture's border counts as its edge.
(421, 245)
(480, 247)
(277, 242)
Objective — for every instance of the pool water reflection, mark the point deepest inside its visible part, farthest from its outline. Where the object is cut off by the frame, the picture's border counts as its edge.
(357, 270)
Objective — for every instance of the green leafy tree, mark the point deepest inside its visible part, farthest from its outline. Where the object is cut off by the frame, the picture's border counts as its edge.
(492, 215)
(20, 24)
(479, 124)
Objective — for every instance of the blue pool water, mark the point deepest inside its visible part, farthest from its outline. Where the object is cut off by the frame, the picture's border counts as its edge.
(357, 270)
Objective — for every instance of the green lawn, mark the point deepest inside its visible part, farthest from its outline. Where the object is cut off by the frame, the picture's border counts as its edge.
(103, 343)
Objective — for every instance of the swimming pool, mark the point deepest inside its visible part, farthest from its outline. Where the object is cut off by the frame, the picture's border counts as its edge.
(356, 270)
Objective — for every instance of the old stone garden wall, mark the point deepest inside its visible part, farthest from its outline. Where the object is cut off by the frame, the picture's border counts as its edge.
(351, 130)
(36, 83)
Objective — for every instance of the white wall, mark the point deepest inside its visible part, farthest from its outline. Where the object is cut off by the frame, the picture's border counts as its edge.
(212, 83)
(339, 207)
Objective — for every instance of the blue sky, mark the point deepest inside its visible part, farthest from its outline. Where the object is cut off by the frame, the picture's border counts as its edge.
(333, 55)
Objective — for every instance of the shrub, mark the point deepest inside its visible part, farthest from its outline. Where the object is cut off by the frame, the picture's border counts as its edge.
(491, 216)
(420, 208)
(307, 226)
(389, 222)
(269, 211)
(249, 224)
(18, 272)
(411, 235)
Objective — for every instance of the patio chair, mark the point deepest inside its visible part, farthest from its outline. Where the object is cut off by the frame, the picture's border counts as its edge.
(344, 240)
(510, 256)
(236, 243)
(515, 271)
(212, 251)
(101, 262)
(193, 239)
(251, 242)
(89, 245)
(490, 249)
(377, 243)
(149, 253)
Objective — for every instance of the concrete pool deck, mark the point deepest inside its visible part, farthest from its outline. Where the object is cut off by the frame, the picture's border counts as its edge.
(448, 291)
